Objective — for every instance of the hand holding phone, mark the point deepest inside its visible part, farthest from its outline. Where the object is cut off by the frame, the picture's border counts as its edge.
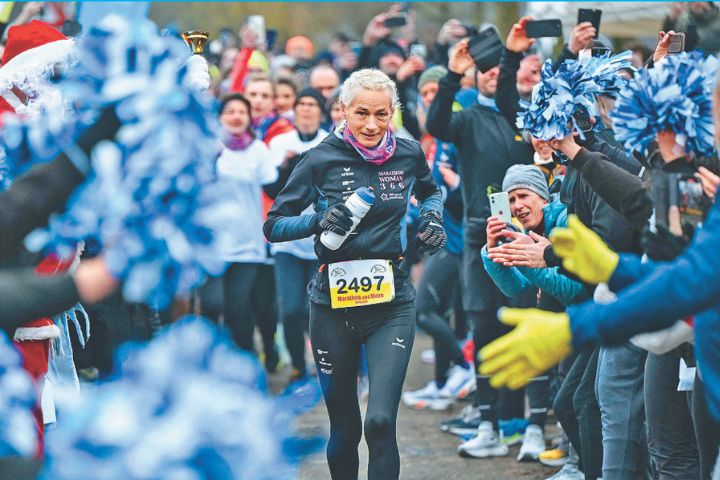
(460, 60)
(517, 39)
(590, 15)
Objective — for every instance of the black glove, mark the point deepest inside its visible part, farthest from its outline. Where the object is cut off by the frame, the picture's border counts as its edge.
(336, 219)
(430, 234)
(476, 232)
(663, 246)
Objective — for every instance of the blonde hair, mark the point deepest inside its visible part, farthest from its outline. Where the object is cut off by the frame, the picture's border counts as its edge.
(368, 79)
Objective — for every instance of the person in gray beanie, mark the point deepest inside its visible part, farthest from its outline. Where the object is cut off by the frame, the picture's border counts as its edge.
(518, 272)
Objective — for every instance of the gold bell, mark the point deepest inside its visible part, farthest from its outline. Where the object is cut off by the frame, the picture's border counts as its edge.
(196, 40)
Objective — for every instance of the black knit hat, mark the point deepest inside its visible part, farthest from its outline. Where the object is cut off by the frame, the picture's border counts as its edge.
(314, 94)
(389, 47)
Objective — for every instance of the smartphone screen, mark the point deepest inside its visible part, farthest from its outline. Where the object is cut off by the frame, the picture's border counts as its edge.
(544, 28)
(500, 206)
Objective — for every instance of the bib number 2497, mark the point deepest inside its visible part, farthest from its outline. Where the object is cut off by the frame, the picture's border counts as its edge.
(361, 282)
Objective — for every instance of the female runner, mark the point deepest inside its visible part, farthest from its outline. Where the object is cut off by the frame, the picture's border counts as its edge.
(361, 292)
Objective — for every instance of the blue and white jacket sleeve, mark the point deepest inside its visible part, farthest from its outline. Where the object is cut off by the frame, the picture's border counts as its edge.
(663, 293)
(554, 283)
(508, 279)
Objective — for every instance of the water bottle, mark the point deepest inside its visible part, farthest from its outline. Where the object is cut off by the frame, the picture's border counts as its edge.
(359, 204)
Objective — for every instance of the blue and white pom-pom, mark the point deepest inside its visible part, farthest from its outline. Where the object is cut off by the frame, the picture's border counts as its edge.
(675, 95)
(18, 433)
(188, 404)
(153, 200)
(575, 83)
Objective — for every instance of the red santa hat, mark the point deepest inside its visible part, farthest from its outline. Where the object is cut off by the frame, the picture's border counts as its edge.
(31, 52)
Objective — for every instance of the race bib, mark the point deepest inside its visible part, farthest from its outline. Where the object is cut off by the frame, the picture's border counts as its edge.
(361, 282)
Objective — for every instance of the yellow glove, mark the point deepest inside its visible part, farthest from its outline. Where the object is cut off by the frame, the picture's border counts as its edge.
(583, 251)
(539, 341)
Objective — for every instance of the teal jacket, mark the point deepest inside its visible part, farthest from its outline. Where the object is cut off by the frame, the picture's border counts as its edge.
(514, 281)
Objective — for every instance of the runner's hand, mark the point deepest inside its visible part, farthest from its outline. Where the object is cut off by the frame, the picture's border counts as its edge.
(431, 234)
(336, 219)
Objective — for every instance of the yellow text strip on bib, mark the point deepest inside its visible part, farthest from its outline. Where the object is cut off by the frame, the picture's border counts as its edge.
(361, 282)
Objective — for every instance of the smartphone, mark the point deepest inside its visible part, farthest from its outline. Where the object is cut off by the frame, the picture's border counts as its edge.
(599, 51)
(582, 119)
(257, 24)
(418, 50)
(544, 28)
(396, 22)
(271, 37)
(677, 43)
(485, 49)
(591, 15)
(500, 206)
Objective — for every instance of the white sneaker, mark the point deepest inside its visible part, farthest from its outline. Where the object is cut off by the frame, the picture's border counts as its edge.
(483, 445)
(428, 355)
(427, 397)
(533, 444)
(569, 472)
(460, 382)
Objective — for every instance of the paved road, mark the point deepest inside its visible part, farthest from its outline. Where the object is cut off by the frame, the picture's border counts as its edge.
(426, 453)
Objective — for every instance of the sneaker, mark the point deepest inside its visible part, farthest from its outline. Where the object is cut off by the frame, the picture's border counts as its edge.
(427, 397)
(512, 431)
(533, 444)
(569, 472)
(428, 356)
(460, 382)
(466, 423)
(483, 445)
(556, 457)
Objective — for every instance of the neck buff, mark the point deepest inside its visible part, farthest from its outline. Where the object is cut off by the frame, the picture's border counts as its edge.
(236, 142)
(376, 155)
